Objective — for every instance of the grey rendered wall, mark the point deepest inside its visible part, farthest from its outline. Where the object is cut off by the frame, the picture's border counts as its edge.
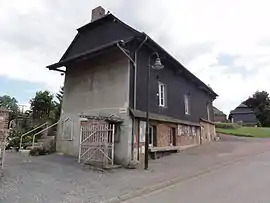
(99, 86)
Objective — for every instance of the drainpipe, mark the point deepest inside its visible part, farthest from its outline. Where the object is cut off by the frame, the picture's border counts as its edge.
(134, 62)
(135, 73)
(135, 99)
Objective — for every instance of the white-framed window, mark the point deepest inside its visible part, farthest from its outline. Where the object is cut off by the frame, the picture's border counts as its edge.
(186, 102)
(193, 131)
(180, 130)
(208, 112)
(188, 131)
(151, 136)
(162, 94)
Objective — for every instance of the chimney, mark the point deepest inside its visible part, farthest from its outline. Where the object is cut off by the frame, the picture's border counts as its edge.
(97, 13)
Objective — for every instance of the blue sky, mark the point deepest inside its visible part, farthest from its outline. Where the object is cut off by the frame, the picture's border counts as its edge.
(23, 91)
(212, 38)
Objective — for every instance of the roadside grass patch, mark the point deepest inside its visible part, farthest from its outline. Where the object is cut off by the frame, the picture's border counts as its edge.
(246, 131)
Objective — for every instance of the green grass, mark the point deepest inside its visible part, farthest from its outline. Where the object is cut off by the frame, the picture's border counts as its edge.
(246, 131)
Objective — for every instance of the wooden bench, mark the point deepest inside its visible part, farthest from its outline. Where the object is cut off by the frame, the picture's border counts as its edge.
(154, 150)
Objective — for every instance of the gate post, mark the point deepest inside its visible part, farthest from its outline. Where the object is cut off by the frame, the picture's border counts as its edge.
(113, 133)
(80, 143)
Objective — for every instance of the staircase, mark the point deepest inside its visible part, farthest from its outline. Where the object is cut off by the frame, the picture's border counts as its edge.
(46, 142)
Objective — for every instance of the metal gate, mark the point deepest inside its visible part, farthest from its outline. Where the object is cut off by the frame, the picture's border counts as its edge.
(97, 143)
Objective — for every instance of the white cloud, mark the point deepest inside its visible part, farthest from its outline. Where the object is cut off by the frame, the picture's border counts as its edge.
(197, 32)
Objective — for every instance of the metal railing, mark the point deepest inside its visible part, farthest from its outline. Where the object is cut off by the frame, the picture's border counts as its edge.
(21, 139)
(49, 127)
(43, 130)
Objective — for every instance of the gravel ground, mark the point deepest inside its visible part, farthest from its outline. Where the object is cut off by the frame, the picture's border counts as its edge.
(60, 179)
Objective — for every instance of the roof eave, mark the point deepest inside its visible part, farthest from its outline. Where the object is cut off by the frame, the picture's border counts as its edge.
(81, 56)
(204, 86)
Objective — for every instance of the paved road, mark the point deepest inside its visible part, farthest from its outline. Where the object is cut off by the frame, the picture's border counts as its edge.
(246, 181)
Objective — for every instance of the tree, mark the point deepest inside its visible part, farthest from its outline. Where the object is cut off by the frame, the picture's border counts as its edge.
(58, 104)
(42, 105)
(11, 104)
(260, 103)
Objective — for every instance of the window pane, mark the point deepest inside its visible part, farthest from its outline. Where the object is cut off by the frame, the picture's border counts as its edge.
(186, 100)
(162, 94)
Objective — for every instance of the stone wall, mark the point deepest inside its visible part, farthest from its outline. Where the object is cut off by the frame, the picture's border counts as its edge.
(208, 131)
(184, 135)
(4, 117)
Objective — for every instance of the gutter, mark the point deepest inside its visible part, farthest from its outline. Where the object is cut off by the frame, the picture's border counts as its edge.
(86, 54)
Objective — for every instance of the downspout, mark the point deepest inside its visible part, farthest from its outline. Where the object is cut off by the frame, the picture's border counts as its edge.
(134, 62)
(135, 73)
(135, 99)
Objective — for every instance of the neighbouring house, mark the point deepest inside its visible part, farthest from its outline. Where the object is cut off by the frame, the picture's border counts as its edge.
(219, 116)
(105, 103)
(244, 115)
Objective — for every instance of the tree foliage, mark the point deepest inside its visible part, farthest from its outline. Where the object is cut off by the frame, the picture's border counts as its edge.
(58, 103)
(11, 104)
(42, 105)
(260, 103)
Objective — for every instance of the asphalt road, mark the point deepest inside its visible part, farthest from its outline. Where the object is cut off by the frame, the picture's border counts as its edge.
(245, 181)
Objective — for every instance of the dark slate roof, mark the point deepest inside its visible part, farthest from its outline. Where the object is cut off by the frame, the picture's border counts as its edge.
(64, 61)
(218, 112)
(242, 109)
(242, 106)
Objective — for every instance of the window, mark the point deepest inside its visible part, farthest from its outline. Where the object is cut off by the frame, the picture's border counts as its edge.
(172, 139)
(188, 131)
(152, 131)
(162, 94)
(186, 101)
(180, 130)
(193, 131)
(208, 112)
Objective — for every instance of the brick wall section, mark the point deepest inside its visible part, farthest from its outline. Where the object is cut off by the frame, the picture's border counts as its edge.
(182, 139)
(188, 138)
(163, 135)
(4, 116)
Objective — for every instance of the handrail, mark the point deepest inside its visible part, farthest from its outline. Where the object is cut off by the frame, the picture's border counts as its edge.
(34, 136)
(30, 132)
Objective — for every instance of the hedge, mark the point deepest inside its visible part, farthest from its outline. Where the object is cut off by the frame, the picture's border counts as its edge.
(227, 125)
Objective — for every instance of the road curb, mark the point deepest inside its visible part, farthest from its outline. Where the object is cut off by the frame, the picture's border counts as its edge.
(172, 182)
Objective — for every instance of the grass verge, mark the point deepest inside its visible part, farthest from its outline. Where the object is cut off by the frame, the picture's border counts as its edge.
(246, 132)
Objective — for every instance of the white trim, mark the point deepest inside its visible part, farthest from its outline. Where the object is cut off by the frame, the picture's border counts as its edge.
(162, 94)
(151, 135)
(186, 104)
(208, 112)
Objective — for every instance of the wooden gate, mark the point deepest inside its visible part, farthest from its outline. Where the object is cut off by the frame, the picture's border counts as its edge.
(97, 143)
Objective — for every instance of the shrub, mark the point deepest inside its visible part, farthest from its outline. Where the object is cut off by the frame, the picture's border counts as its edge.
(227, 125)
